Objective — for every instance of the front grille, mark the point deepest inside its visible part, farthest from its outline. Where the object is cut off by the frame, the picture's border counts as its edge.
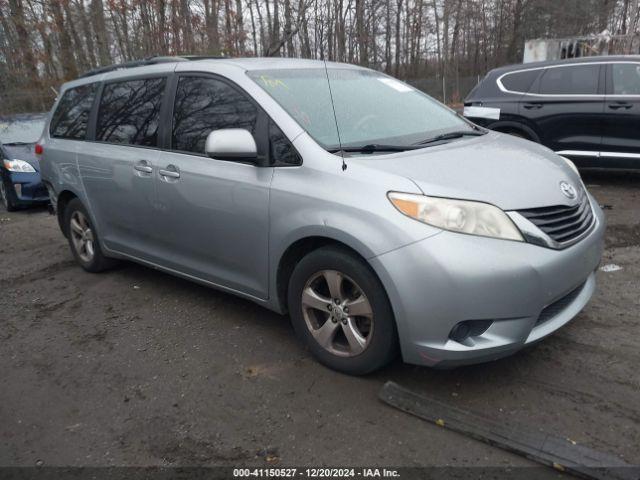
(550, 311)
(562, 223)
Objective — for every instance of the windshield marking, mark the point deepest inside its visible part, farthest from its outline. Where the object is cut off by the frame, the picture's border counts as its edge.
(273, 82)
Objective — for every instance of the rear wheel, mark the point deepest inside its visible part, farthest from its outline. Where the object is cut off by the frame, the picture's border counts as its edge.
(6, 197)
(83, 238)
(340, 310)
(515, 133)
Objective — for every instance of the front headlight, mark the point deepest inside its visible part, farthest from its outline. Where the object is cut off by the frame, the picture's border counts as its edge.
(462, 216)
(18, 166)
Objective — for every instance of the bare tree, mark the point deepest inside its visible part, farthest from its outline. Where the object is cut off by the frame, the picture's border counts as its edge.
(428, 42)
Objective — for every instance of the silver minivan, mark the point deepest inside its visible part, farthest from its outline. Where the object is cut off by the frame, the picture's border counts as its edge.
(379, 219)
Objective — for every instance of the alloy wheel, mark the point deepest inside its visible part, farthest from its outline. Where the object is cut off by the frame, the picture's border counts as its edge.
(82, 236)
(337, 313)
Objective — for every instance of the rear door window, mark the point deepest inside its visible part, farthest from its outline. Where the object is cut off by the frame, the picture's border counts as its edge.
(129, 112)
(204, 104)
(570, 80)
(626, 78)
(71, 116)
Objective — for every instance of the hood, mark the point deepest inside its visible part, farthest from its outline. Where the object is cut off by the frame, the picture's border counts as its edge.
(496, 168)
(22, 152)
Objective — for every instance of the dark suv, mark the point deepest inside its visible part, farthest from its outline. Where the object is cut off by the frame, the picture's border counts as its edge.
(587, 109)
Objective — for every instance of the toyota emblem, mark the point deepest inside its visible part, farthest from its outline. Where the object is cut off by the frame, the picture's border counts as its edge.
(568, 190)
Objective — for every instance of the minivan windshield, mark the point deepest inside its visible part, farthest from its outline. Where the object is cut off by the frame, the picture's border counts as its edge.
(21, 130)
(371, 108)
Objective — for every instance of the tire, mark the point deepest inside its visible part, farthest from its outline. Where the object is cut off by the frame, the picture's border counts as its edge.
(352, 344)
(515, 133)
(6, 197)
(83, 239)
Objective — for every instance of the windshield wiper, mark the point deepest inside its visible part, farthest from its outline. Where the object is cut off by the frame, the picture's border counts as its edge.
(13, 144)
(452, 135)
(375, 147)
(380, 147)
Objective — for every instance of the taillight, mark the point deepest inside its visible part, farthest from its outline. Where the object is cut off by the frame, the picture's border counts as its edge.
(38, 149)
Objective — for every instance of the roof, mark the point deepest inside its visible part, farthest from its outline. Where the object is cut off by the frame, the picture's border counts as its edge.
(248, 63)
(571, 61)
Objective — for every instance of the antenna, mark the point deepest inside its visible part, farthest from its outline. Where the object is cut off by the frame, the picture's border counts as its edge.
(335, 117)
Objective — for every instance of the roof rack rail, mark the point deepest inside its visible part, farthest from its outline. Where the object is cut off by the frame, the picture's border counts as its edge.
(149, 61)
(204, 57)
(134, 63)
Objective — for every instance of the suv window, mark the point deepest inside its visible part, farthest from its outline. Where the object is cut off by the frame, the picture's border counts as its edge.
(519, 81)
(130, 112)
(570, 80)
(626, 78)
(204, 104)
(71, 117)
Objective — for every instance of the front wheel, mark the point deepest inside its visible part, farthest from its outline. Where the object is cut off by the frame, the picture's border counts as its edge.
(83, 239)
(341, 311)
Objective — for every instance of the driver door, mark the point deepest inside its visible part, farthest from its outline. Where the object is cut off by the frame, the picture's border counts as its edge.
(213, 215)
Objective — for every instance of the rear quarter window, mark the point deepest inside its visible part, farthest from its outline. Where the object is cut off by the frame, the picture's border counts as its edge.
(519, 82)
(71, 116)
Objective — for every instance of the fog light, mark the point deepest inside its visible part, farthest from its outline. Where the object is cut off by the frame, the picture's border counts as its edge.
(469, 328)
(18, 188)
(460, 332)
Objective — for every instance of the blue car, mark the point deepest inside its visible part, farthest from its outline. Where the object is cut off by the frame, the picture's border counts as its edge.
(20, 182)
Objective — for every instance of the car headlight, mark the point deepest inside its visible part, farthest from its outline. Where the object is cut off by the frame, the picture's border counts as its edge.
(462, 216)
(18, 166)
(572, 165)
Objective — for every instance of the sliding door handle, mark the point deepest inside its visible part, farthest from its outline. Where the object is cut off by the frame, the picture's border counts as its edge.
(532, 106)
(143, 166)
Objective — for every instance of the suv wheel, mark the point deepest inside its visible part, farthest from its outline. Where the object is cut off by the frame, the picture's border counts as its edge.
(83, 239)
(5, 197)
(340, 310)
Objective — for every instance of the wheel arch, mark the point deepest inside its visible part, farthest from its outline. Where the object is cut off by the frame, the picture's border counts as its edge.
(64, 197)
(299, 249)
(514, 126)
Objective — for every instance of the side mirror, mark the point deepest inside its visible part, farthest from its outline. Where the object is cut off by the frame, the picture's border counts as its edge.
(231, 144)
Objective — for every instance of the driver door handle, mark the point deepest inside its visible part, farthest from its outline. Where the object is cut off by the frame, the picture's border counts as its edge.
(532, 106)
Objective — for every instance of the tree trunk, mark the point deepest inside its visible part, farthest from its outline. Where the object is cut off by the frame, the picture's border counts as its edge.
(240, 33)
(361, 32)
(86, 33)
(211, 17)
(398, 15)
(185, 17)
(67, 60)
(78, 47)
(516, 39)
(287, 29)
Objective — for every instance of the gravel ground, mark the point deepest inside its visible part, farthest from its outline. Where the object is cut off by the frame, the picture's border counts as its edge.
(136, 367)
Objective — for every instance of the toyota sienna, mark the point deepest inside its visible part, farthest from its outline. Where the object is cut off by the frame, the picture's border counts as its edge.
(379, 219)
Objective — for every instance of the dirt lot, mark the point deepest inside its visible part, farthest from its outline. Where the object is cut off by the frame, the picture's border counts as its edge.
(136, 367)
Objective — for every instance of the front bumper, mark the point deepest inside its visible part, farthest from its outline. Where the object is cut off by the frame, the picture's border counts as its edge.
(526, 291)
(28, 188)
